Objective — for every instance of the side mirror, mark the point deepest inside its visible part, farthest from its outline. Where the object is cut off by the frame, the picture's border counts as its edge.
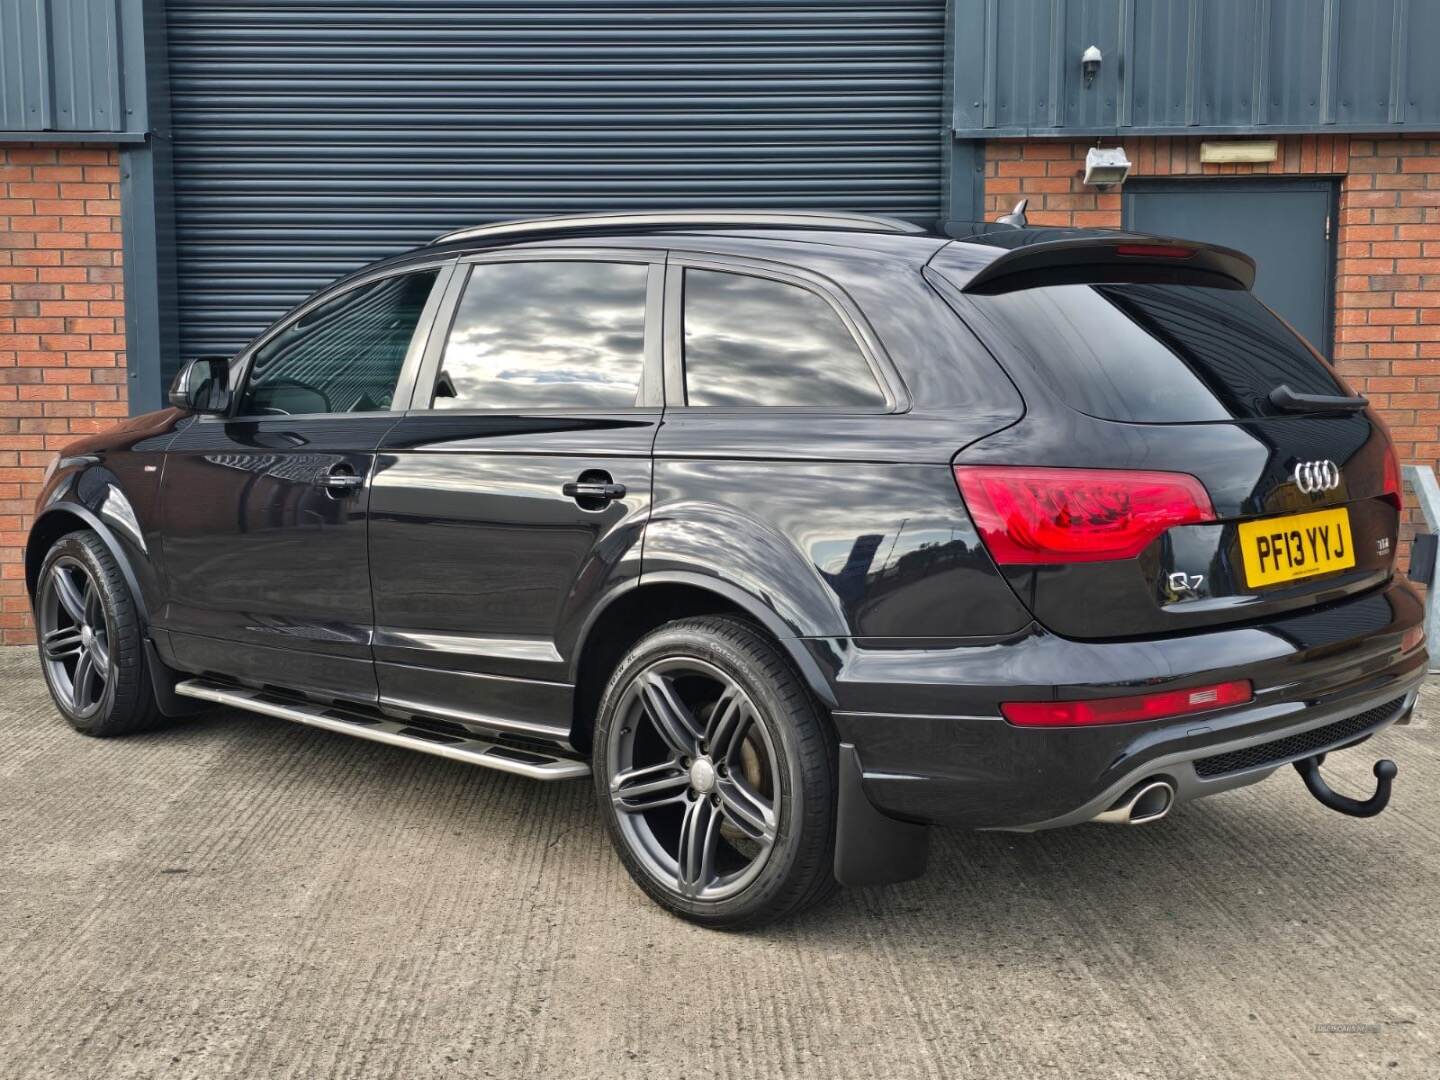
(203, 386)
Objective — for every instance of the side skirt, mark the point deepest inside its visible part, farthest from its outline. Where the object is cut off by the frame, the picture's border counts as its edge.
(537, 764)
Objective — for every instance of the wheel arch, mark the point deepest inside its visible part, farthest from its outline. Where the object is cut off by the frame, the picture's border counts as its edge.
(67, 517)
(630, 613)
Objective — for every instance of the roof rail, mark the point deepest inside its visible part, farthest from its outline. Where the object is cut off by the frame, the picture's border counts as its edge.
(700, 219)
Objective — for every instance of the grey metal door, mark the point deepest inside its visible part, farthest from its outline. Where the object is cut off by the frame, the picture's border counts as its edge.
(1284, 225)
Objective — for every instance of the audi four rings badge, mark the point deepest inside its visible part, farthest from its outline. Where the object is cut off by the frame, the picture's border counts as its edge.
(1313, 477)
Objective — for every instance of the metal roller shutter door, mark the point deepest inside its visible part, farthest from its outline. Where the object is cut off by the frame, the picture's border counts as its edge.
(312, 137)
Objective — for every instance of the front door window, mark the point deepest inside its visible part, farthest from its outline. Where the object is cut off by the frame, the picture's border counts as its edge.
(343, 356)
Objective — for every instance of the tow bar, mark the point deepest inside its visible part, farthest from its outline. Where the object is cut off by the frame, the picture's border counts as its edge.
(1385, 770)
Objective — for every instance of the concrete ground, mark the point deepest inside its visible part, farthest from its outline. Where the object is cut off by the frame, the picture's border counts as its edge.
(242, 897)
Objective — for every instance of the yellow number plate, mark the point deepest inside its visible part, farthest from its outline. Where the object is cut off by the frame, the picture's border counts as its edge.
(1299, 546)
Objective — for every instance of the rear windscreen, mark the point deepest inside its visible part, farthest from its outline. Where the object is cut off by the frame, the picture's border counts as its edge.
(1157, 353)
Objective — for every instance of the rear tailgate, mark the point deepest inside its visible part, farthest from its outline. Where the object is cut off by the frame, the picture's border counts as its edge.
(1141, 365)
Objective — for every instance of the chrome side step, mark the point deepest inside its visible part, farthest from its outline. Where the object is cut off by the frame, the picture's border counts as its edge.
(476, 751)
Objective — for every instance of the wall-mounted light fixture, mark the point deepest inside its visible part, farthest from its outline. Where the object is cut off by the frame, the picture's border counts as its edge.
(1090, 63)
(1106, 166)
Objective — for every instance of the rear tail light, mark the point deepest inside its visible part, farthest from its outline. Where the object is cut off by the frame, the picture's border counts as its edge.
(1392, 489)
(1039, 515)
(1124, 710)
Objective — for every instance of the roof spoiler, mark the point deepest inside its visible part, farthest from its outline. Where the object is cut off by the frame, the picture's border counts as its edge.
(1092, 260)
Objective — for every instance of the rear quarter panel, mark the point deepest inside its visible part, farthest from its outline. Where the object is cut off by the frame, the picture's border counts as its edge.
(845, 526)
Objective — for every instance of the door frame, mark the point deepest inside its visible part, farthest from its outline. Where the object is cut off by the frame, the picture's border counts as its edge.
(1330, 185)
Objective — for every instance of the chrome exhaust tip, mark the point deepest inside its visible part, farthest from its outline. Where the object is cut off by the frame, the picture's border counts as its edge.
(1145, 802)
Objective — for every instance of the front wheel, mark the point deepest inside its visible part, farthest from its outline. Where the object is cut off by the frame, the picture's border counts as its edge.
(716, 775)
(91, 640)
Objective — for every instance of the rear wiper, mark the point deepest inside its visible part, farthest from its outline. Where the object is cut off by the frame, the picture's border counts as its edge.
(1287, 400)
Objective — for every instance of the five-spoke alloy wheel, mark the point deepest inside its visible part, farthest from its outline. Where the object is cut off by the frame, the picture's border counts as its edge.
(693, 775)
(74, 636)
(713, 766)
(92, 639)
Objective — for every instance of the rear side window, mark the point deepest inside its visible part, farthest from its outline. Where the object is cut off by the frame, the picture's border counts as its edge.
(343, 356)
(756, 341)
(1158, 353)
(546, 335)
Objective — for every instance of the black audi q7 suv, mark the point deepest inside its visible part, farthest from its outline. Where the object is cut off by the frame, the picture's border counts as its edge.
(800, 532)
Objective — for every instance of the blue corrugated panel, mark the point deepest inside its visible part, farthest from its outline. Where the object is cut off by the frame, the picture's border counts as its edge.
(24, 71)
(85, 65)
(1195, 66)
(61, 67)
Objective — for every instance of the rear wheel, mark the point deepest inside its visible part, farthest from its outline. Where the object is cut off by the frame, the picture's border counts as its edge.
(716, 775)
(91, 646)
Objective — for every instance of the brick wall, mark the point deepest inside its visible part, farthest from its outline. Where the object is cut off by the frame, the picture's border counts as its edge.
(62, 331)
(1387, 294)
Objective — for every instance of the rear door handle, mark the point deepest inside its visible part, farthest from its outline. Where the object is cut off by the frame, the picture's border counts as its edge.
(604, 492)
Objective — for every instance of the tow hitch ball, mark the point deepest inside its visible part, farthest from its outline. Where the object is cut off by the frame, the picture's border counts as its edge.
(1385, 770)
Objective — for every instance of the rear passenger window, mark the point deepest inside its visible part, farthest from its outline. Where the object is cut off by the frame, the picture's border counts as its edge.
(755, 341)
(546, 335)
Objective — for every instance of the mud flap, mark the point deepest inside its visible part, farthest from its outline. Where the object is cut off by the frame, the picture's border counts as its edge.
(870, 847)
(162, 681)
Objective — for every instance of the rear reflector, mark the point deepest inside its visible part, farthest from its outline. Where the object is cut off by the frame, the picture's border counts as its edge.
(1040, 515)
(1124, 710)
(1413, 638)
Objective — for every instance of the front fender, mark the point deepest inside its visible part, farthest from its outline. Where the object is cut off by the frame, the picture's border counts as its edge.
(117, 505)
(109, 482)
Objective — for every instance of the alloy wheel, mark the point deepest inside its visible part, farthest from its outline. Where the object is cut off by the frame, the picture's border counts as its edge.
(694, 778)
(75, 636)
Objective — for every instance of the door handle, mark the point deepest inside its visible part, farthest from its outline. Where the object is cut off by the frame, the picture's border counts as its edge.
(602, 492)
(337, 482)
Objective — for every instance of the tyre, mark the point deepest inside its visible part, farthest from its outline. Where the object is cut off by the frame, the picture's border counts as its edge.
(715, 772)
(91, 644)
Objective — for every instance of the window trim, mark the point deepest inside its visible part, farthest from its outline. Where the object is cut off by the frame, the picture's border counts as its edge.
(409, 369)
(650, 397)
(897, 397)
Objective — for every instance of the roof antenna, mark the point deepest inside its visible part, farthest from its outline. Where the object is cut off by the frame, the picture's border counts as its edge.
(1016, 217)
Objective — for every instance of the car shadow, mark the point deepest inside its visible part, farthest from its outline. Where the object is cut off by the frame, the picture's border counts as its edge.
(1260, 858)
(1260, 861)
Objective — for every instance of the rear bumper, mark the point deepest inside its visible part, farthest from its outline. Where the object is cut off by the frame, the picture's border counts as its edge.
(1249, 758)
(940, 752)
